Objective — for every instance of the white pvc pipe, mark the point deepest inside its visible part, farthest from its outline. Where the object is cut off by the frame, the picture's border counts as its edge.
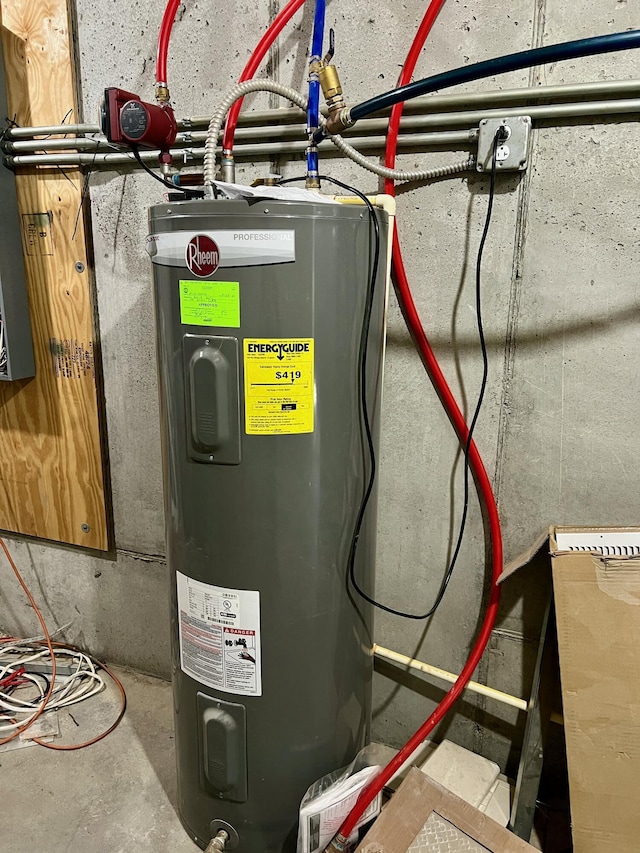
(436, 672)
(474, 686)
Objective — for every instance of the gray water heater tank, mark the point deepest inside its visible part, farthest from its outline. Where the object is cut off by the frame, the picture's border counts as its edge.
(259, 311)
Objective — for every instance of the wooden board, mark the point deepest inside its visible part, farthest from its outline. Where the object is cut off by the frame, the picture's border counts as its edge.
(51, 452)
(403, 818)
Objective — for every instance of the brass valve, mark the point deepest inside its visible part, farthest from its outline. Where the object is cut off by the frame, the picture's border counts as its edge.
(339, 119)
(330, 82)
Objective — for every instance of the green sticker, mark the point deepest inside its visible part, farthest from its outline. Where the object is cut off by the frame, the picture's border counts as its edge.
(210, 303)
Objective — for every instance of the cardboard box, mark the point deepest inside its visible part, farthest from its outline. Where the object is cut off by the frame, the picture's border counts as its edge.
(596, 582)
(424, 816)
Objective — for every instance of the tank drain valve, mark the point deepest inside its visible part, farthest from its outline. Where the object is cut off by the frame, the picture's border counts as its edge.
(218, 843)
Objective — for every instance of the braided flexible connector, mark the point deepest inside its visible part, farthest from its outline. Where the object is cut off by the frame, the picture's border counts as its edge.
(217, 120)
(399, 174)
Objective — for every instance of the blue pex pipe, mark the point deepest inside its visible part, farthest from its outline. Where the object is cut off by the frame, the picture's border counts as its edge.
(312, 163)
(313, 110)
(500, 65)
(318, 29)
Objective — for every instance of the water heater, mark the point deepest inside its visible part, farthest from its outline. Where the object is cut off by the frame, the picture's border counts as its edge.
(259, 312)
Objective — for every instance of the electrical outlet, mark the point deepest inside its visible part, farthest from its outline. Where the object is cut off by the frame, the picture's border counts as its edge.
(512, 155)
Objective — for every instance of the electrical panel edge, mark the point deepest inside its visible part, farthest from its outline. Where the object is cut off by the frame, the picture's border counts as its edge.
(16, 345)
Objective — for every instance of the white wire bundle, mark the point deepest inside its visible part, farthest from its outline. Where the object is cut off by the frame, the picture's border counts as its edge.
(83, 682)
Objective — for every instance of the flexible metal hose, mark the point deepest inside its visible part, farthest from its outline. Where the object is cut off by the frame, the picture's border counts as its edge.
(399, 174)
(242, 89)
(217, 120)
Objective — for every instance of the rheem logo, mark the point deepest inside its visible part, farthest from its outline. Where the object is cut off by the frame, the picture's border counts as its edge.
(202, 255)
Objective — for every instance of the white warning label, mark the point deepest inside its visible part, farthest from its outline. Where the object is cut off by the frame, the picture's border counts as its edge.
(219, 632)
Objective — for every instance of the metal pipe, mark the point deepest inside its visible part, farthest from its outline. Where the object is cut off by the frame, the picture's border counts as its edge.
(602, 89)
(81, 144)
(538, 112)
(218, 843)
(455, 119)
(458, 139)
(50, 130)
(545, 112)
(471, 118)
(429, 103)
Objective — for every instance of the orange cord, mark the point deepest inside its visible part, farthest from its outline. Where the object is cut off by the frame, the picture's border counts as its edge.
(50, 645)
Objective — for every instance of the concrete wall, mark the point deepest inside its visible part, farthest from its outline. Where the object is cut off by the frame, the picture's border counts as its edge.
(561, 306)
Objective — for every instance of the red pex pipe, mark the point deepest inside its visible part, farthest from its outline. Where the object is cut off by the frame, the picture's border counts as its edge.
(163, 40)
(412, 319)
(275, 28)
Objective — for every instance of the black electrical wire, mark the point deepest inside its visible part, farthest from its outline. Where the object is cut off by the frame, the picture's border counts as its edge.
(362, 361)
(476, 414)
(85, 190)
(610, 43)
(189, 193)
(366, 324)
(365, 412)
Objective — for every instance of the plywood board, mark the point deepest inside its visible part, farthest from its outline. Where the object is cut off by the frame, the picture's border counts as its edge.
(51, 451)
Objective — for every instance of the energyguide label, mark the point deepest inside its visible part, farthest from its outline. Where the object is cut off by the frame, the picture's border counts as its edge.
(220, 636)
(279, 386)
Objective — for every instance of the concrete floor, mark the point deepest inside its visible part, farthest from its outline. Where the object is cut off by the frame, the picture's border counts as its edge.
(117, 796)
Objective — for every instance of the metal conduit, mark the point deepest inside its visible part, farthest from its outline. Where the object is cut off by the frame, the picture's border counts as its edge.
(244, 149)
(413, 140)
(431, 103)
(598, 90)
(297, 134)
(266, 150)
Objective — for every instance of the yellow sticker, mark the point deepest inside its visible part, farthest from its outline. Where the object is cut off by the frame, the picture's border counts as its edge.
(278, 385)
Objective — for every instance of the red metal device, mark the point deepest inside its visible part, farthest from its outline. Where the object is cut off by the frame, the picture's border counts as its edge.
(127, 120)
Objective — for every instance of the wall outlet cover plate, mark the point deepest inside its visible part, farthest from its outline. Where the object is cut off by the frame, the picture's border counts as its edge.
(513, 154)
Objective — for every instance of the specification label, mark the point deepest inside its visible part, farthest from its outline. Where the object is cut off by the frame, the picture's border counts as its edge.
(278, 384)
(210, 303)
(220, 636)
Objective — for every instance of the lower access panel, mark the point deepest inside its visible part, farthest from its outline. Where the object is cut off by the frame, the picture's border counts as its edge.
(223, 748)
